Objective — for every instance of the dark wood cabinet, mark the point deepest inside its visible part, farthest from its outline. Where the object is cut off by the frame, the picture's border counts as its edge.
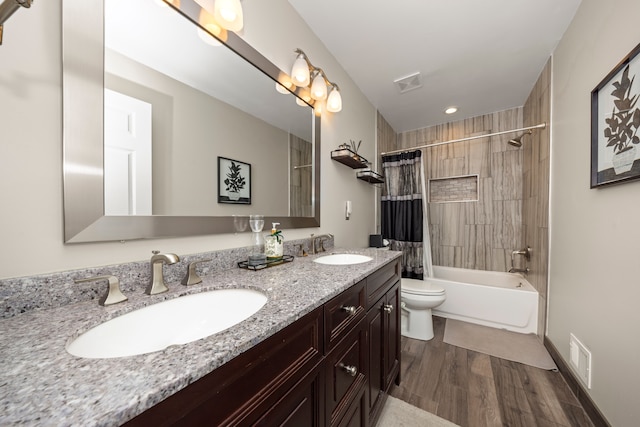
(346, 369)
(332, 367)
(303, 405)
(391, 337)
(383, 326)
(243, 389)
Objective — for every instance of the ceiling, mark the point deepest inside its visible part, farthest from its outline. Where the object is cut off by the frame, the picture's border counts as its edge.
(480, 56)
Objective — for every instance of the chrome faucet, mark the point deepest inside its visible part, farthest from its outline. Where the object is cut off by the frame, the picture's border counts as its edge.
(526, 252)
(157, 284)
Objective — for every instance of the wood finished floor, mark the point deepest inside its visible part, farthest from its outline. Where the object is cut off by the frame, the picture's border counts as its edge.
(474, 389)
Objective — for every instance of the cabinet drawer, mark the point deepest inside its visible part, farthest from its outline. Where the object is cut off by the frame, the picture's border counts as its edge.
(342, 313)
(303, 405)
(381, 281)
(346, 368)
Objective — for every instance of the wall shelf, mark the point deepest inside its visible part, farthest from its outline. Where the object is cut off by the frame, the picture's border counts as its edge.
(349, 158)
(370, 176)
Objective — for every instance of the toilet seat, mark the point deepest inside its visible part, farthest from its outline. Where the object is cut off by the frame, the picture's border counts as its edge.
(424, 288)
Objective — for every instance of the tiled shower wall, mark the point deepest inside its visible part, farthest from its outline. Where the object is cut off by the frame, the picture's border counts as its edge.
(479, 234)
(535, 208)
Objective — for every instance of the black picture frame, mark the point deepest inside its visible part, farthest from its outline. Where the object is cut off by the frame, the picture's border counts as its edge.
(234, 175)
(615, 124)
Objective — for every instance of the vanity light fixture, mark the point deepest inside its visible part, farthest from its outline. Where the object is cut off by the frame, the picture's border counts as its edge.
(300, 70)
(280, 88)
(303, 74)
(303, 101)
(318, 86)
(216, 17)
(7, 8)
(334, 102)
(229, 14)
(451, 110)
(211, 28)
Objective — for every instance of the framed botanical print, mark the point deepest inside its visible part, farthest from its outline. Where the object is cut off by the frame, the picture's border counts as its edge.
(234, 181)
(615, 124)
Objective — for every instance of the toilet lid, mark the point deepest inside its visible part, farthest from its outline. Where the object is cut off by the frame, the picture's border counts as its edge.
(423, 287)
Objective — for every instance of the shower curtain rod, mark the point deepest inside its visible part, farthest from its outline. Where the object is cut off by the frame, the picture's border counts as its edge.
(404, 150)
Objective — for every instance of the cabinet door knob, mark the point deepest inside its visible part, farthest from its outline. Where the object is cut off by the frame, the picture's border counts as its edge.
(351, 370)
(349, 309)
(387, 307)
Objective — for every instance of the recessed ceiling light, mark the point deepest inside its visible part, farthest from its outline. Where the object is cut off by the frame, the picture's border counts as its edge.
(451, 110)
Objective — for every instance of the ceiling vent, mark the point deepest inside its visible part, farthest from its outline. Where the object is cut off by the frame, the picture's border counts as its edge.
(408, 83)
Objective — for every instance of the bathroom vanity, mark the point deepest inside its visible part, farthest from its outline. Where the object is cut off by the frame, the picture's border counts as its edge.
(331, 367)
(323, 351)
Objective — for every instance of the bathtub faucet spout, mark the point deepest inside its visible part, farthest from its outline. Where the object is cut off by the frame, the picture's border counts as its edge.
(526, 252)
(519, 270)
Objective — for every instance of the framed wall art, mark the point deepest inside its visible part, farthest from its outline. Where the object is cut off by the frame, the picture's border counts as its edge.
(615, 124)
(234, 181)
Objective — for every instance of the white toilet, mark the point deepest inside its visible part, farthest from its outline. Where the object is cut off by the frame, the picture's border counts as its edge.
(418, 297)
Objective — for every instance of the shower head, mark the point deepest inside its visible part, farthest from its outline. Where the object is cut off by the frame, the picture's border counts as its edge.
(517, 142)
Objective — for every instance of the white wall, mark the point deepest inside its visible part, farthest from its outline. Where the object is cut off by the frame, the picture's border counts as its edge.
(31, 216)
(595, 266)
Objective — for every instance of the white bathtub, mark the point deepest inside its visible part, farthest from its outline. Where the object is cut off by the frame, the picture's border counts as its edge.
(490, 298)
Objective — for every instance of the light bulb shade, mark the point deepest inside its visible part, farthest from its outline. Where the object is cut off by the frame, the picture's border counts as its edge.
(283, 86)
(318, 87)
(206, 20)
(300, 72)
(228, 13)
(208, 38)
(319, 107)
(281, 89)
(334, 101)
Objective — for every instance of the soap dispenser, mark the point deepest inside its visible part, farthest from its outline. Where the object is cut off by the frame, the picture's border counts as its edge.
(274, 244)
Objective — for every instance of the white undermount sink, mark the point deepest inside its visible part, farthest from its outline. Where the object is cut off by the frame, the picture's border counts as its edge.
(342, 259)
(177, 321)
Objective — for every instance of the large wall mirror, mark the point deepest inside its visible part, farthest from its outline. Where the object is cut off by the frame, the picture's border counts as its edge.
(159, 115)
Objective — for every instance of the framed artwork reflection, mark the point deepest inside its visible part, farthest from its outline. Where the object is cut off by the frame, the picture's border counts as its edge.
(615, 124)
(234, 181)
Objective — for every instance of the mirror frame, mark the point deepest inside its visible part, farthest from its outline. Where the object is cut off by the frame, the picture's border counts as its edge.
(83, 152)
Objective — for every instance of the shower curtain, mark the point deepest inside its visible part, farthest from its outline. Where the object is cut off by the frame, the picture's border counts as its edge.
(404, 213)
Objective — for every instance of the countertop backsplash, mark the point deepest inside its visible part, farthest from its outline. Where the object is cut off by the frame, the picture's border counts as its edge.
(21, 294)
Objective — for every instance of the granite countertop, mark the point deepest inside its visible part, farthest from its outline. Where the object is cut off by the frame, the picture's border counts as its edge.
(42, 384)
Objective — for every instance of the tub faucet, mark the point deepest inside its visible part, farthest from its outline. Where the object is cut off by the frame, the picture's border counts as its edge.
(526, 252)
(519, 270)
(157, 284)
